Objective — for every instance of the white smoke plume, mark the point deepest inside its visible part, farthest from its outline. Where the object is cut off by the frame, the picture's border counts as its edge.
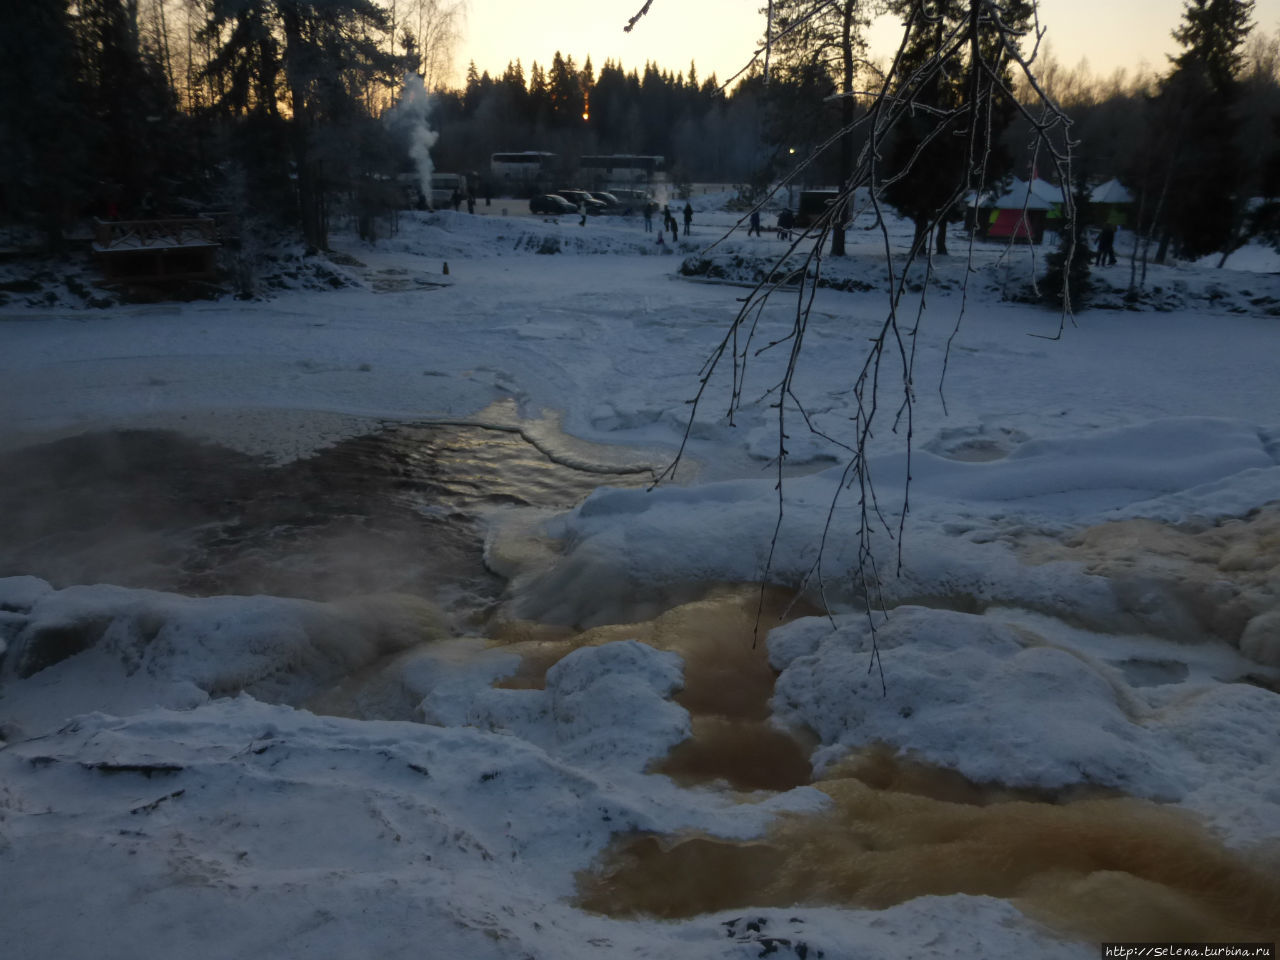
(410, 116)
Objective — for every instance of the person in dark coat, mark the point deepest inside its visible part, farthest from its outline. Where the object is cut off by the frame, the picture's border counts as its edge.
(688, 217)
(785, 222)
(648, 217)
(755, 224)
(1106, 247)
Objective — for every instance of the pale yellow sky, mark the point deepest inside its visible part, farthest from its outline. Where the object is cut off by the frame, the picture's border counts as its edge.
(721, 34)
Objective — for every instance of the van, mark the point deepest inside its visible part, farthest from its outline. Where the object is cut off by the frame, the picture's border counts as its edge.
(443, 187)
(630, 198)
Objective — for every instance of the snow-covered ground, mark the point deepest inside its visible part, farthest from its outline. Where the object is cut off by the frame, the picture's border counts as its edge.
(1088, 603)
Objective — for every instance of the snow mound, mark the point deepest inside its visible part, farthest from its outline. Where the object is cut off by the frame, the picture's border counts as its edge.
(276, 648)
(606, 707)
(622, 544)
(999, 705)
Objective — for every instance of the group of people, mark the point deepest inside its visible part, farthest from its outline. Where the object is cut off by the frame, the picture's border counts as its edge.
(786, 223)
(669, 221)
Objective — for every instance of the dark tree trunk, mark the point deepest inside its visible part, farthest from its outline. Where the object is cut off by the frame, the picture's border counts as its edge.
(1163, 250)
(846, 118)
(310, 197)
(920, 240)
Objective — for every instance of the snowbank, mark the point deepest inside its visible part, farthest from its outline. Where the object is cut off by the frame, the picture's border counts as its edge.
(624, 544)
(1000, 704)
(144, 643)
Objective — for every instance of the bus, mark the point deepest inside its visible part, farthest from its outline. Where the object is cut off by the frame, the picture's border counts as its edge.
(623, 168)
(513, 173)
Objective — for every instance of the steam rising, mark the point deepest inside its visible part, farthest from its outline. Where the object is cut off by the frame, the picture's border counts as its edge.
(410, 117)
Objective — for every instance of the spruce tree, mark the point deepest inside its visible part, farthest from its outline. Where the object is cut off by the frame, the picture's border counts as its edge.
(1196, 112)
(933, 161)
(1066, 282)
(45, 159)
(323, 56)
(817, 40)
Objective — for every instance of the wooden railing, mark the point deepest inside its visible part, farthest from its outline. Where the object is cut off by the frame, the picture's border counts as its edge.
(111, 235)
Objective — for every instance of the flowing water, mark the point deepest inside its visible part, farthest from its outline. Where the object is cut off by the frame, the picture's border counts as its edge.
(397, 511)
(404, 510)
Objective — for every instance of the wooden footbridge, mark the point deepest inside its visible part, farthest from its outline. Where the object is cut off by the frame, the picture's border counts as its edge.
(159, 250)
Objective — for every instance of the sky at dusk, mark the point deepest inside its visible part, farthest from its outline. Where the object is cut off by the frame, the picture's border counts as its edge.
(722, 34)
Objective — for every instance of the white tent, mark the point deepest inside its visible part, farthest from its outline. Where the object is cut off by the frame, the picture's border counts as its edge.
(1026, 196)
(1113, 191)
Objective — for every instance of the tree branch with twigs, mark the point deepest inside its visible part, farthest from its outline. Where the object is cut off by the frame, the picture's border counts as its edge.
(912, 128)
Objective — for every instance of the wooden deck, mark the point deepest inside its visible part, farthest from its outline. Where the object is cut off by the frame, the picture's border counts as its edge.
(157, 250)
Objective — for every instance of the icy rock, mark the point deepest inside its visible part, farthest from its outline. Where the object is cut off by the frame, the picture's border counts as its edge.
(968, 694)
(1261, 639)
(276, 648)
(609, 706)
(20, 593)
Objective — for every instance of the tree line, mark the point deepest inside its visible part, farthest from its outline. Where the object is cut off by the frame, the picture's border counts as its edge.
(278, 106)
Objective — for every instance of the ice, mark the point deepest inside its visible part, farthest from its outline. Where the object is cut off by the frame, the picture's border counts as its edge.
(1032, 639)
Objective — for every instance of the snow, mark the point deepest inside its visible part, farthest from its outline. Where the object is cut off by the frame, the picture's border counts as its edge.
(1113, 191)
(162, 770)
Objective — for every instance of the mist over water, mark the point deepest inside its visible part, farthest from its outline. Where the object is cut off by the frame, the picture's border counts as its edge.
(396, 511)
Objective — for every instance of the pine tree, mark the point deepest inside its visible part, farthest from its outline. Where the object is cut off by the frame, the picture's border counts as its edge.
(932, 160)
(1066, 283)
(565, 90)
(323, 55)
(819, 39)
(1212, 36)
(1197, 121)
(44, 161)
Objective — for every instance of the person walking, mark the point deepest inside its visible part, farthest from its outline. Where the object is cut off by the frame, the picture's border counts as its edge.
(675, 227)
(1106, 247)
(755, 224)
(582, 213)
(648, 216)
(785, 222)
(688, 217)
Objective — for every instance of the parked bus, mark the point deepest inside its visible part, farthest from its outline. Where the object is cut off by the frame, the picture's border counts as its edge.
(515, 173)
(623, 168)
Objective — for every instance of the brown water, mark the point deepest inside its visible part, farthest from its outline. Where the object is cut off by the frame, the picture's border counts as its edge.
(1090, 864)
(401, 511)
(727, 682)
(1100, 868)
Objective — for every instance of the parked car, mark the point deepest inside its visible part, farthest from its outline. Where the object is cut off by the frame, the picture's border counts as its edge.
(611, 203)
(551, 203)
(581, 196)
